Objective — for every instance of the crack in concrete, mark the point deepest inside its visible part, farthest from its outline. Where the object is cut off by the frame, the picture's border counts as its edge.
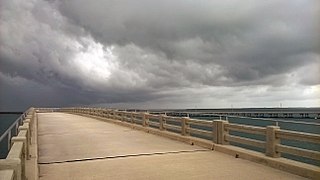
(122, 156)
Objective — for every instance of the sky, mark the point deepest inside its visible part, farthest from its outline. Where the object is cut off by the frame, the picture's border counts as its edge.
(159, 54)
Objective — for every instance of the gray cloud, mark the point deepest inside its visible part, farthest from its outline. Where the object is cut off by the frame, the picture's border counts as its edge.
(158, 53)
(250, 40)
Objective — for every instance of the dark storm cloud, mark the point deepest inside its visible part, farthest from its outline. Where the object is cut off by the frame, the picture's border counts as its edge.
(251, 40)
(156, 53)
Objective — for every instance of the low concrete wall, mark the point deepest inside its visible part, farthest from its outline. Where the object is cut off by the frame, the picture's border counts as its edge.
(15, 165)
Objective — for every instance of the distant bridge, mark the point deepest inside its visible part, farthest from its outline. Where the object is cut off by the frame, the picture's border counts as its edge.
(96, 143)
(302, 113)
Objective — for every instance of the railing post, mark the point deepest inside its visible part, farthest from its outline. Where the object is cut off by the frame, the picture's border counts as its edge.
(26, 127)
(14, 163)
(144, 120)
(272, 141)
(28, 124)
(17, 126)
(219, 132)
(9, 139)
(184, 126)
(161, 122)
(215, 131)
(131, 117)
(121, 116)
(24, 140)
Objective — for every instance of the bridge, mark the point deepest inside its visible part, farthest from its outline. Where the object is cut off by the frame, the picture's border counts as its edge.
(288, 113)
(95, 143)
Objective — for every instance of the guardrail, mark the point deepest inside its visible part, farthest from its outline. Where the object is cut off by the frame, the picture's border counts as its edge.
(218, 131)
(12, 130)
(13, 167)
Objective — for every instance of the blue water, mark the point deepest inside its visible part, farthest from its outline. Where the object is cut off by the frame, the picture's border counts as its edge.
(6, 120)
(300, 125)
(307, 125)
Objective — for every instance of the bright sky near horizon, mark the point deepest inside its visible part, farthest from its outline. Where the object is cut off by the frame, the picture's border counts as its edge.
(159, 54)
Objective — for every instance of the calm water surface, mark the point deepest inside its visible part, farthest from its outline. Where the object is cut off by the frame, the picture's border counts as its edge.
(6, 120)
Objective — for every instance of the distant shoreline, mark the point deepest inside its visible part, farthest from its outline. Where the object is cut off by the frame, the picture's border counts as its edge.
(10, 112)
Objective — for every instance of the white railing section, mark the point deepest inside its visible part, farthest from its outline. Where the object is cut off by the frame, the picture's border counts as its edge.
(217, 131)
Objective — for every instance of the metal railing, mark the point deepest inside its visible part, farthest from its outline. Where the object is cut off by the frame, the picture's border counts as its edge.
(15, 125)
(15, 163)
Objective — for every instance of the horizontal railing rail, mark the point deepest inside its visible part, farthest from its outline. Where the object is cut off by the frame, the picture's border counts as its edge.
(218, 131)
(293, 135)
(246, 129)
(199, 128)
(301, 137)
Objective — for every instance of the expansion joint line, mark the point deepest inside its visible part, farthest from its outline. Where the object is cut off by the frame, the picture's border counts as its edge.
(123, 156)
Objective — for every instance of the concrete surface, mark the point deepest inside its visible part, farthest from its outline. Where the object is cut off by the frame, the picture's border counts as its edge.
(76, 147)
(65, 137)
(7, 174)
(32, 162)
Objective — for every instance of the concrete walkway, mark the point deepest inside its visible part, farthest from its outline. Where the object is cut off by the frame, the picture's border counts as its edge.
(76, 147)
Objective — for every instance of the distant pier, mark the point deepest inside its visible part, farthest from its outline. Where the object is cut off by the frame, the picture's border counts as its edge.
(10, 112)
(313, 113)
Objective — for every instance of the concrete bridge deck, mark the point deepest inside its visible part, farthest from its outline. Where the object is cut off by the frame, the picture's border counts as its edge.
(77, 147)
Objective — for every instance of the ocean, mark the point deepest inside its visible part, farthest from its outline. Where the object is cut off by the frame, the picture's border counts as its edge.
(6, 120)
(307, 125)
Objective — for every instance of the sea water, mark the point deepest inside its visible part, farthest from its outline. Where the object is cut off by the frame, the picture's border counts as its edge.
(6, 120)
(306, 125)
